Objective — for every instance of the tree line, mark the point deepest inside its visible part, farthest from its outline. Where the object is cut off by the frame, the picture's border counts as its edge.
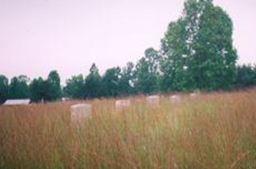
(196, 53)
(129, 80)
(38, 90)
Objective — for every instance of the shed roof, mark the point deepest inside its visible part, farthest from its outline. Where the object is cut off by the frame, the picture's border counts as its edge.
(17, 102)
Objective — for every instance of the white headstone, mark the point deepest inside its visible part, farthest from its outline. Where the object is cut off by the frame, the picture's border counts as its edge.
(153, 100)
(175, 99)
(122, 104)
(80, 112)
(64, 99)
(193, 94)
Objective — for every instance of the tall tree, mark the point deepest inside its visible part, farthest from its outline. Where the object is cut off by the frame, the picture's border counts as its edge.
(126, 81)
(199, 49)
(175, 75)
(53, 86)
(147, 72)
(246, 76)
(75, 87)
(111, 82)
(3, 89)
(93, 83)
(18, 88)
(213, 64)
(38, 90)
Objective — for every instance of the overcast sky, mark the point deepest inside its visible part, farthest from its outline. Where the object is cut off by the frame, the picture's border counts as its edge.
(37, 36)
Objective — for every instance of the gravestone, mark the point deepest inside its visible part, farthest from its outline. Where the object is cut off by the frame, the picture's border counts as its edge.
(79, 113)
(193, 95)
(175, 98)
(122, 104)
(153, 100)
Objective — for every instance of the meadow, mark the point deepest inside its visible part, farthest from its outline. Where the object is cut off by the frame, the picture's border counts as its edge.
(209, 131)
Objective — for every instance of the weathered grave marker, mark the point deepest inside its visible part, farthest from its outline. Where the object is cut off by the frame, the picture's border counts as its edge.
(79, 113)
(175, 99)
(122, 104)
(153, 100)
(194, 94)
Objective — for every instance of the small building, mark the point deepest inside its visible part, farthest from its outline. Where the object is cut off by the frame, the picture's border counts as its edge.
(17, 102)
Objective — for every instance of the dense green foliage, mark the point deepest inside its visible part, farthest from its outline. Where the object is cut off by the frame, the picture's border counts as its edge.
(246, 76)
(18, 88)
(37, 90)
(75, 87)
(110, 82)
(198, 49)
(53, 88)
(196, 53)
(93, 83)
(147, 72)
(3, 89)
(46, 90)
(126, 81)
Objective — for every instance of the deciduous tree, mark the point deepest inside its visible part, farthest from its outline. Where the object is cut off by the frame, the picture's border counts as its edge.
(53, 86)
(198, 49)
(93, 83)
(111, 82)
(18, 88)
(147, 72)
(3, 89)
(75, 87)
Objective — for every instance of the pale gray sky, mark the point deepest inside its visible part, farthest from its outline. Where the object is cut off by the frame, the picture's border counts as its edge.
(37, 36)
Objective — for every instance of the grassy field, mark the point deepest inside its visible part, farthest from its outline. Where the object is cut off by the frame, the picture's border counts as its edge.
(210, 131)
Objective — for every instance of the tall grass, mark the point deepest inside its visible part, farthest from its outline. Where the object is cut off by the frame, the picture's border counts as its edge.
(210, 131)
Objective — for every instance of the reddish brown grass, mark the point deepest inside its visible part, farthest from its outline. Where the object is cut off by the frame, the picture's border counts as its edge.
(211, 131)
